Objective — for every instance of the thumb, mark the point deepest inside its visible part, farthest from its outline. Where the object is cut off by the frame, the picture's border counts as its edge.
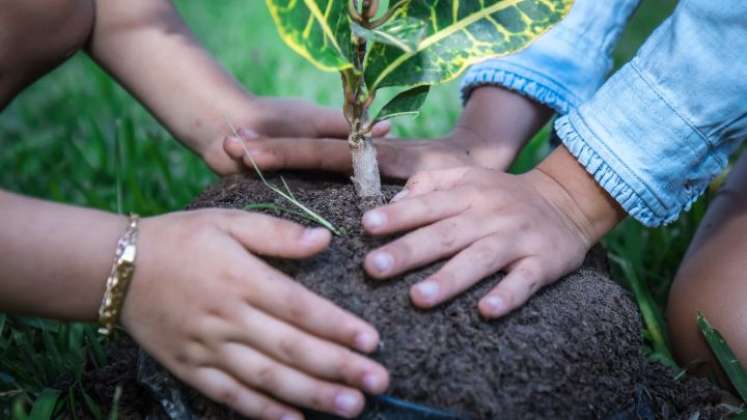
(274, 237)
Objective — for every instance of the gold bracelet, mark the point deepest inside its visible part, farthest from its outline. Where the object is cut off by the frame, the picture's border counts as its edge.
(119, 280)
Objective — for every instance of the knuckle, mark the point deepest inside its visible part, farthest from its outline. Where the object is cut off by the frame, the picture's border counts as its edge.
(267, 377)
(289, 347)
(229, 396)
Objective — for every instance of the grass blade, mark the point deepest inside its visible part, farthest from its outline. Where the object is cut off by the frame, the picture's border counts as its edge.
(729, 362)
(44, 406)
(652, 318)
(289, 195)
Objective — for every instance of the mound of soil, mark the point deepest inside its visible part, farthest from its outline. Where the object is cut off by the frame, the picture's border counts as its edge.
(574, 351)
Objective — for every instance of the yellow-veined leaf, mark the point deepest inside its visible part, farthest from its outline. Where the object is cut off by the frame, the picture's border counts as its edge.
(458, 34)
(408, 102)
(318, 30)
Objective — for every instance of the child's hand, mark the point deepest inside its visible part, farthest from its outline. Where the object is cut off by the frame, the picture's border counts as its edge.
(238, 330)
(527, 226)
(282, 119)
(398, 159)
(491, 131)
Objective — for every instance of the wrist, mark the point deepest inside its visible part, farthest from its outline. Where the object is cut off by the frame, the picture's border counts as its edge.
(498, 121)
(579, 196)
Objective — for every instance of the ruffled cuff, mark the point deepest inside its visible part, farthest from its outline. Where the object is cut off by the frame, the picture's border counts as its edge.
(640, 150)
(520, 80)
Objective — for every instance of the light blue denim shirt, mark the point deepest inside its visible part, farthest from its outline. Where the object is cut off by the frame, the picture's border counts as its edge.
(661, 128)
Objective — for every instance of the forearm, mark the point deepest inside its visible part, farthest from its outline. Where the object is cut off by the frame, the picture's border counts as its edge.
(497, 123)
(149, 49)
(55, 258)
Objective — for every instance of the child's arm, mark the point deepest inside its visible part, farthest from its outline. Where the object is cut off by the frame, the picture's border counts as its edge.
(149, 49)
(216, 316)
(648, 143)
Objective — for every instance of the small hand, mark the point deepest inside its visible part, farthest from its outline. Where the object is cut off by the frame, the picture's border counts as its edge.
(289, 119)
(489, 221)
(398, 159)
(241, 332)
(491, 131)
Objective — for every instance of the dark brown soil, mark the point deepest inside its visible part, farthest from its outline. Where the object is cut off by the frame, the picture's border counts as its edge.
(574, 351)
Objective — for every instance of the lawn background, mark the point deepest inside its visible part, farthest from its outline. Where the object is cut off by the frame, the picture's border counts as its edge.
(76, 137)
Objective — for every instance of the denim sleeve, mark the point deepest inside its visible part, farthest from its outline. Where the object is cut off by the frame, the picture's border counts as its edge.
(663, 127)
(566, 66)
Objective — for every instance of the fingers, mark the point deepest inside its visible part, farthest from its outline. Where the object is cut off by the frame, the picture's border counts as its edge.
(483, 258)
(523, 281)
(262, 373)
(424, 246)
(266, 235)
(418, 211)
(314, 356)
(292, 153)
(224, 389)
(285, 299)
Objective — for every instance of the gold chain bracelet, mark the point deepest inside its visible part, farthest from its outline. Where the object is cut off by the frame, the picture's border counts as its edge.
(119, 280)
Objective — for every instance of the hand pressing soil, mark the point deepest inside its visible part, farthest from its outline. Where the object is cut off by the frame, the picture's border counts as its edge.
(574, 351)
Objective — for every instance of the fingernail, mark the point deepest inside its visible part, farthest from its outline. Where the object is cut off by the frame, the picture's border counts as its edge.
(494, 305)
(400, 195)
(233, 140)
(365, 342)
(346, 403)
(374, 219)
(248, 134)
(290, 417)
(372, 383)
(314, 236)
(428, 291)
(383, 262)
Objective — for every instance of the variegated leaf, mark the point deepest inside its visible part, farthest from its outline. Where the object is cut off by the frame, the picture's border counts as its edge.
(408, 102)
(404, 33)
(318, 30)
(458, 34)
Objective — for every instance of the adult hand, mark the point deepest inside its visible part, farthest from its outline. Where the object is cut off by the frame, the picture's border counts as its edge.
(526, 225)
(228, 324)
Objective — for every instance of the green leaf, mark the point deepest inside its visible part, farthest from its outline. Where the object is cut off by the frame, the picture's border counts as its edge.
(406, 103)
(404, 33)
(43, 408)
(460, 33)
(725, 356)
(318, 30)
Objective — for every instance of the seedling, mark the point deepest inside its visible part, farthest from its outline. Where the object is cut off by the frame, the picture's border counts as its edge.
(410, 45)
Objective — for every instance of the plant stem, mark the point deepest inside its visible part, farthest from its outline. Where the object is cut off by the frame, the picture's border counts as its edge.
(366, 175)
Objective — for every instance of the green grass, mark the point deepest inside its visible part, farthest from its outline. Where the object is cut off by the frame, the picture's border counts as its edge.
(76, 137)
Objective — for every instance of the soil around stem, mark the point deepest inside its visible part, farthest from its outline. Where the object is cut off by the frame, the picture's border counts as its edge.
(574, 351)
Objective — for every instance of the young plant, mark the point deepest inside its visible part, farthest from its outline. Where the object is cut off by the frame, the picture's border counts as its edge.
(413, 44)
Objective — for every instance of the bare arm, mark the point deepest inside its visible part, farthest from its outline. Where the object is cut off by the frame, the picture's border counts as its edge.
(149, 49)
(54, 258)
(200, 301)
